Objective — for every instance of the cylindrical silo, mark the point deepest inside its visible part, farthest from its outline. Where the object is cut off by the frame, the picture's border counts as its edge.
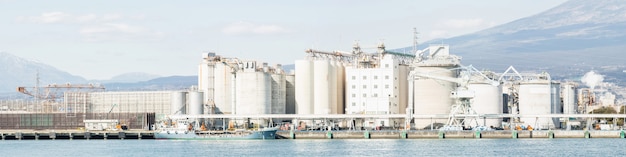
(195, 103)
(555, 106)
(290, 96)
(333, 87)
(431, 96)
(570, 104)
(223, 88)
(321, 88)
(535, 98)
(178, 103)
(341, 75)
(304, 86)
(487, 100)
(253, 93)
(279, 90)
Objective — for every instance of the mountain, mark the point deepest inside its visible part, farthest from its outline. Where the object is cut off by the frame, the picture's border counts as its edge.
(130, 78)
(566, 41)
(161, 83)
(16, 71)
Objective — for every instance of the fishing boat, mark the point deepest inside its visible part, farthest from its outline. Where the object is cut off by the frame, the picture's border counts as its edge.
(184, 129)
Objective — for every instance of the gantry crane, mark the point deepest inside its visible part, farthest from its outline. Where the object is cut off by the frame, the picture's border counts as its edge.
(53, 93)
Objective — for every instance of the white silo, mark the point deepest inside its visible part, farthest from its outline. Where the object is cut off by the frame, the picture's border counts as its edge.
(253, 93)
(570, 104)
(487, 100)
(321, 88)
(290, 100)
(432, 96)
(535, 98)
(340, 75)
(304, 86)
(333, 87)
(178, 103)
(223, 88)
(279, 91)
(206, 76)
(555, 105)
(195, 103)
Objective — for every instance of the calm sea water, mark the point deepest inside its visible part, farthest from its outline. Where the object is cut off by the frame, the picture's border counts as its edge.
(363, 147)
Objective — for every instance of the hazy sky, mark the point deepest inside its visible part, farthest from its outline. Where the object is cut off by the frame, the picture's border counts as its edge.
(98, 39)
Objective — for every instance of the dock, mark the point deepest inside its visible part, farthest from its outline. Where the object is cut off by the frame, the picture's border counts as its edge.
(75, 135)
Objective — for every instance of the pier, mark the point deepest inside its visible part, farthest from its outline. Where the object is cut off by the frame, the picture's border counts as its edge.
(75, 135)
(435, 134)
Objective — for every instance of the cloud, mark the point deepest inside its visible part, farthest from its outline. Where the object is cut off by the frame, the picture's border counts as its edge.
(438, 34)
(118, 31)
(241, 28)
(62, 17)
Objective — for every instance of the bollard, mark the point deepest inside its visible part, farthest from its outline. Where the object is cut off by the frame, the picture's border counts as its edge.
(2, 134)
(292, 134)
(550, 134)
(71, 136)
(87, 135)
(105, 135)
(329, 134)
(587, 134)
(139, 136)
(53, 135)
(514, 134)
(36, 136)
(18, 135)
(367, 134)
(477, 134)
(442, 135)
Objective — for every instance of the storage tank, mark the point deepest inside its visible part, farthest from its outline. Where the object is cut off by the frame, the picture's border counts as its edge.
(322, 86)
(570, 104)
(487, 100)
(304, 86)
(333, 87)
(223, 88)
(253, 93)
(340, 75)
(279, 91)
(433, 96)
(290, 100)
(195, 103)
(206, 80)
(555, 105)
(535, 98)
(178, 103)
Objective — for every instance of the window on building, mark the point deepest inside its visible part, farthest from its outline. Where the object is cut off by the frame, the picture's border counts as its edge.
(354, 95)
(375, 86)
(364, 95)
(375, 77)
(394, 104)
(386, 65)
(364, 86)
(396, 78)
(364, 77)
(353, 77)
(353, 86)
(386, 77)
(375, 94)
(386, 86)
(353, 104)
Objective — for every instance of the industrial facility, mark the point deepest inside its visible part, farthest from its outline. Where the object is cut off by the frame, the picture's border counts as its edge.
(430, 86)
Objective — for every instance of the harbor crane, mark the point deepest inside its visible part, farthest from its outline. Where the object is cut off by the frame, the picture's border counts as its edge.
(461, 94)
(54, 93)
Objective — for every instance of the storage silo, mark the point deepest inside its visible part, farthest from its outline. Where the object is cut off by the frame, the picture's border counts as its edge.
(570, 104)
(279, 91)
(321, 88)
(223, 88)
(555, 105)
(304, 87)
(333, 87)
(290, 96)
(178, 103)
(195, 103)
(253, 93)
(340, 75)
(487, 100)
(431, 96)
(535, 98)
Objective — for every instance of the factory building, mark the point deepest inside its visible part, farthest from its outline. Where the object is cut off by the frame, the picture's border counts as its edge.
(378, 88)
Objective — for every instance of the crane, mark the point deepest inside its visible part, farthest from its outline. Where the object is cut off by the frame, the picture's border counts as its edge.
(462, 94)
(53, 93)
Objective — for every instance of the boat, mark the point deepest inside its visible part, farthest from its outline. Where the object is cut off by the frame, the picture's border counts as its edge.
(183, 129)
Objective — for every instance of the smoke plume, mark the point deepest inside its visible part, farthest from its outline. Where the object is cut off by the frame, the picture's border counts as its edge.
(592, 79)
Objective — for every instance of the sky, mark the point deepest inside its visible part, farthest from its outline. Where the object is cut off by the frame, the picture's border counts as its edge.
(99, 39)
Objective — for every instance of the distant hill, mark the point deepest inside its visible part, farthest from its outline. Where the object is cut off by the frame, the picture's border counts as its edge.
(16, 71)
(129, 78)
(162, 83)
(566, 41)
